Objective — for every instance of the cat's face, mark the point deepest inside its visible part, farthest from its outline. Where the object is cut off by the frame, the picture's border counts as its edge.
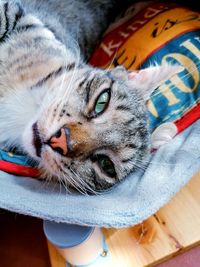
(92, 128)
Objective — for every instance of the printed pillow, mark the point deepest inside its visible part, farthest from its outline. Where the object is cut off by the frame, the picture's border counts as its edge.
(159, 33)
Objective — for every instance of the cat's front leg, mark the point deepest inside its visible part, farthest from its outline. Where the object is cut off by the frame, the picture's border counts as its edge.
(10, 14)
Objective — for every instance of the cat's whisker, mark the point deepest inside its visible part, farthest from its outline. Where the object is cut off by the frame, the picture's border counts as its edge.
(87, 187)
(64, 184)
(140, 58)
(75, 184)
(190, 72)
(72, 181)
(78, 186)
(67, 184)
(140, 166)
(51, 100)
(111, 63)
(70, 88)
(81, 182)
(47, 182)
(69, 180)
(63, 99)
(174, 85)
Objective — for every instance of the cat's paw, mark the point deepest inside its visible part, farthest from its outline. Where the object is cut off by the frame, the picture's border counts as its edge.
(10, 13)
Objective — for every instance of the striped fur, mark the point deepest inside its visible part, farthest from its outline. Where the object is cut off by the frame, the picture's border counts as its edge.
(45, 82)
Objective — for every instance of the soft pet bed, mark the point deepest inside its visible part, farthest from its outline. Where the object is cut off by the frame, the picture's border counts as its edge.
(142, 193)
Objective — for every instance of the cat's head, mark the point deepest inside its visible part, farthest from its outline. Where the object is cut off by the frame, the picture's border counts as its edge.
(92, 127)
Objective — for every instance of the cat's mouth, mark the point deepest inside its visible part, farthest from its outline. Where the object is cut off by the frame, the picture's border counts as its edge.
(37, 142)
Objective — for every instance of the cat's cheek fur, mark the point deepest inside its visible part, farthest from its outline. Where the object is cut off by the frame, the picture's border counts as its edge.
(27, 142)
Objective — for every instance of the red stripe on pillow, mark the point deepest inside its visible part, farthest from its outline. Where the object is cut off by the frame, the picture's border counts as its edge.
(189, 118)
(18, 169)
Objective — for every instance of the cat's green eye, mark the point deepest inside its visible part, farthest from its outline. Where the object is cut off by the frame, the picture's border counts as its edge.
(102, 102)
(105, 164)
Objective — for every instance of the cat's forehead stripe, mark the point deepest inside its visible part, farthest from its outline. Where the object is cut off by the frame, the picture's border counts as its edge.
(86, 76)
(83, 81)
(129, 121)
(123, 107)
(52, 74)
(88, 88)
(92, 82)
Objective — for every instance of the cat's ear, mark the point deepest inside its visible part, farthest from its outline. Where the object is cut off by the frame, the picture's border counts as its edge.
(147, 80)
(120, 72)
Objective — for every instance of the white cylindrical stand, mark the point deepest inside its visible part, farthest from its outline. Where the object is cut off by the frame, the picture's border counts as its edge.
(79, 245)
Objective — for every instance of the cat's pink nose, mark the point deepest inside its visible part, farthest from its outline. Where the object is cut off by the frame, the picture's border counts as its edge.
(59, 141)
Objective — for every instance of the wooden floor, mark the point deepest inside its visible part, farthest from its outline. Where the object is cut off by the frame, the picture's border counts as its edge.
(172, 230)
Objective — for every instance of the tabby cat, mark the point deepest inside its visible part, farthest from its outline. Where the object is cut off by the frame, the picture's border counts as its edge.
(86, 127)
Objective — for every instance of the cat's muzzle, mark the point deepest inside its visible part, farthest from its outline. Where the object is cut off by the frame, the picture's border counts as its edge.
(60, 141)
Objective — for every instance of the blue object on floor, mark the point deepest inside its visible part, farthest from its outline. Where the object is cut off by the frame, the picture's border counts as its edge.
(65, 235)
(140, 195)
